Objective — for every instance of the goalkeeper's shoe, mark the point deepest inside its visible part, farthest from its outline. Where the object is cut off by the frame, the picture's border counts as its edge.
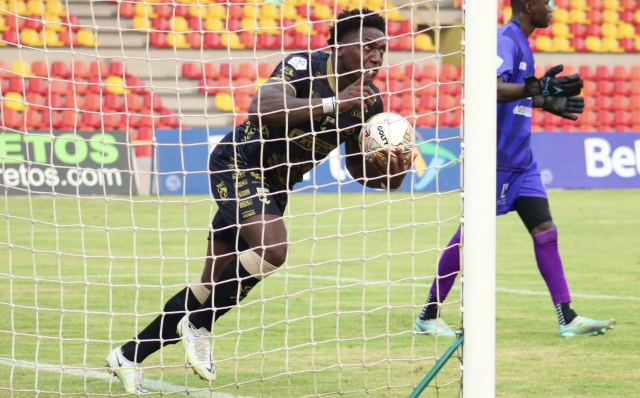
(581, 326)
(130, 374)
(197, 347)
(433, 327)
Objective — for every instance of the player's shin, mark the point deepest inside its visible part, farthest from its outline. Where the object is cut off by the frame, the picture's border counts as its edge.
(448, 267)
(235, 283)
(162, 330)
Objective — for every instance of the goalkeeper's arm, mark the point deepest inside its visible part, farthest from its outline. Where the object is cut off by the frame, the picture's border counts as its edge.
(549, 86)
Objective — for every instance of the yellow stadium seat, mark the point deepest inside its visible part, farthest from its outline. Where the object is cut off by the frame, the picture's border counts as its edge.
(269, 11)
(50, 38)
(21, 68)
(289, 12)
(544, 43)
(177, 40)
(30, 37)
(560, 30)
(55, 7)
(304, 27)
(560, 15)
(506, 14)
(178, 24)
(145, 10)
(224, 102)
(375, 5)
(87, 38)
(17, 7)
(14, 101)
(344, 3)
(198, 11)
(251, 11)
(34, 8)
(269, 26)
(395, 15)
(610, 44)
(214, 25)
(593, 44)
(637, 43)
(323, 12)
(3, 26)
(115, 85)
(612, 5)
(638, 17)
(579, 5)
(610, 16)
(141, 23)
(248, 24)
(424, 42)
(609, 30)
(54, 22)
(216, 11)
(232, 41)
(4, 7)
(626, 31)
(578, 16)
(561, 44)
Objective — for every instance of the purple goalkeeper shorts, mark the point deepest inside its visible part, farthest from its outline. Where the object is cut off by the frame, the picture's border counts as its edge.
(512, 185)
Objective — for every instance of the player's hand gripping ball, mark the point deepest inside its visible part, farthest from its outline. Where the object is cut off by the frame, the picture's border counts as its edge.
(385, 132)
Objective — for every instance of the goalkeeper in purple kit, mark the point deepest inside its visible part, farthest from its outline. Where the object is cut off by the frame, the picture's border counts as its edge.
(519, 186)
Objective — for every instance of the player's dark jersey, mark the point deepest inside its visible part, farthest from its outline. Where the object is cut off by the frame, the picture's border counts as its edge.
(287, 153)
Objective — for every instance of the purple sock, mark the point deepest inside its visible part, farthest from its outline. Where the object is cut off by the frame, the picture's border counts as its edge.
(449, 265)
(545, 245)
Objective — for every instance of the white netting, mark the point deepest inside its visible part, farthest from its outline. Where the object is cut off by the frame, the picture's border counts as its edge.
(109, 111)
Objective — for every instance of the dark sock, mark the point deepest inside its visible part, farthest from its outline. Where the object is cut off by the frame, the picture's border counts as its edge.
(565, 313)
(234, 285)
(430, 310)
(150, 337)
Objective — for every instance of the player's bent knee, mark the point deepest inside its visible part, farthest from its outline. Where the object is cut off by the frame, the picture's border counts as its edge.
(255, 265)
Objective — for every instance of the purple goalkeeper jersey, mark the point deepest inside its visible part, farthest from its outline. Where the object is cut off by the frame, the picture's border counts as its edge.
(515, 61)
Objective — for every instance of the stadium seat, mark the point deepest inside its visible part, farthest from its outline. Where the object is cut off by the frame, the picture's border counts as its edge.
(31, 38)
(35, 100)
(152, 101)
(112, 121)
(87, 38)
(11, 118)
(191, 71)
(92, 102)
(195, 40)
(90, 121)
(118, 69)
(98, 69)
(136, 85)
(38, 86)
(177, 40)
(32, 119)
(228, 69)
(133, 103)
(224, 102)
(115, 102)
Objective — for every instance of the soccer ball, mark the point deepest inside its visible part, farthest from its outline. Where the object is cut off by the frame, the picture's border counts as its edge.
(387, 130)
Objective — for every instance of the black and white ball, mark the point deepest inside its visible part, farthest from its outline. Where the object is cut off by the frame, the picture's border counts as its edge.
(387, 130)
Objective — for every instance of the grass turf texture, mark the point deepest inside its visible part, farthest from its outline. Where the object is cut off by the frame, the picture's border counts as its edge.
(315, 327)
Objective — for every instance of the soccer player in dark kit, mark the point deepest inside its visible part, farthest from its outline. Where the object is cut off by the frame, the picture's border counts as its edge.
(312, 104)
(519, 186)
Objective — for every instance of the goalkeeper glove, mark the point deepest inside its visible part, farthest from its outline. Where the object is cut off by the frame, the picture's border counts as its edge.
(564, 107)
(552, 86)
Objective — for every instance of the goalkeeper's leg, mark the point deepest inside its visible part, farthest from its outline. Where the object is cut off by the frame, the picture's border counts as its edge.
(429, 321)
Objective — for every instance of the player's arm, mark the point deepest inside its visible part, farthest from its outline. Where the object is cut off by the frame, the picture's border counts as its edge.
(277, 105)
(372, 172)
(547, 86)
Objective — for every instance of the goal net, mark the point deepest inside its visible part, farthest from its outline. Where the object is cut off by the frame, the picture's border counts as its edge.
(109, 112)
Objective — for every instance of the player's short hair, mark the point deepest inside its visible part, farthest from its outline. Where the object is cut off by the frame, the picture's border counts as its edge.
(352, 20)
(518, 5)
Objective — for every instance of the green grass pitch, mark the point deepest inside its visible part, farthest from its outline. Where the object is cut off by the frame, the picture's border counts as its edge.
(79, 276)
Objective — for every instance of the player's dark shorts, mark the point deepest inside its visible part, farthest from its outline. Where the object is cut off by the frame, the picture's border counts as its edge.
(512, 185)
(241, 192)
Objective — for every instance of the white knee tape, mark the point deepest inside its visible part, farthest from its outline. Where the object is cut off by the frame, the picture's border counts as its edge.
(255, 265)
(200, 290)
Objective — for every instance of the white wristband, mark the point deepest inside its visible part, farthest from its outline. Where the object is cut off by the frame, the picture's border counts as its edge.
(329, 104)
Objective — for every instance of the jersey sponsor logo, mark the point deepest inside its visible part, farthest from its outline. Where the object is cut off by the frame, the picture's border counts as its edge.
(246, 203)
(298, 62)
(222, 190)
(262, 195)
(523, 66)
(248, 213)
(241, 183)
(243, 193)
(500, 62)
(256, 176)
(522, 110)
(310, 143)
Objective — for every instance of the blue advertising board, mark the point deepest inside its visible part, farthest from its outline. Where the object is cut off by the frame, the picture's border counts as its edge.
(588, 160)
(182, 164)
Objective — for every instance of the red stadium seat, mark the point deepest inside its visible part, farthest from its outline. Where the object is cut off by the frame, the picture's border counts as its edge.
(40, 69)
(195, 40)
(634, 103)
(68, 120)
(152, 101)
(90, 121)
(163, 10)
(16, 85)
(242, 103)
(603, 73)
(413, 72)
(586, 72)
(265, 70)
(33, 119)
(210, 71)
(60, 69)
(39, 86)
(133, 103)
(620, 87)
(160, 24)
(112, 101)
(213, 40)
(208, 86)
(80, 70)
(72, 22)
(191, 71)
(92, 102)
(228, 69)
(11, 36)
(604, 87)
(78, 86)
(54, 101)
(603, 102)
(112, 121)
(634, 87)
(136, 85)
(117, 68)
(247, 71)
(449, 73)
(98, 69)
(169, 119)
(127, 10)
(11, 119)
(68, 38)
(35, 100)
(158, 39)
(50, 119)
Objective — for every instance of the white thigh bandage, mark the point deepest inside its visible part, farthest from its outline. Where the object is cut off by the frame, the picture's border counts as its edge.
(255, 265)
(200, 290)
